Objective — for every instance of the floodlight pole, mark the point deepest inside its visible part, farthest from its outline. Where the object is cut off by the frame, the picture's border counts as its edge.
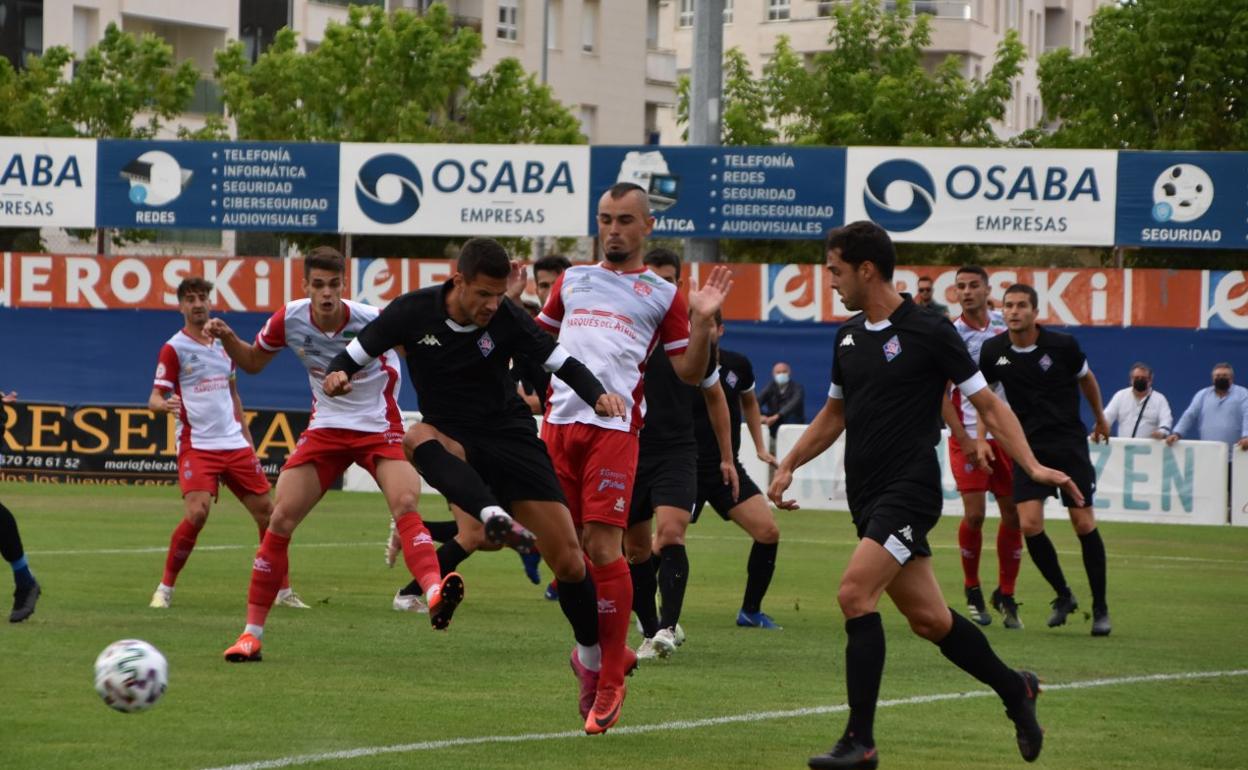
(705, 92)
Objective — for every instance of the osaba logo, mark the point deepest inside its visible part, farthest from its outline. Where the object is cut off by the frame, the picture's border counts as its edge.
(388, 189)
(889, 180)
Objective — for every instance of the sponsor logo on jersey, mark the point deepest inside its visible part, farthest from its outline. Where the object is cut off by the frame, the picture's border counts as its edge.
(486, 344)
(892, 348)
(1045, 362)
(848, 341)
(429, 339)
(1002, 361)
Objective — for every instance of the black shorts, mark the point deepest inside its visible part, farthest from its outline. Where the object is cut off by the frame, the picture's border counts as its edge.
(1071, 458)
(510, 458)
(901, 531)
(713, 490)
(664, 477)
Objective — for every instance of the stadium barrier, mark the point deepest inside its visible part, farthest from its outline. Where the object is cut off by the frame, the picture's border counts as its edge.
(1239, 488)
(1137, 480)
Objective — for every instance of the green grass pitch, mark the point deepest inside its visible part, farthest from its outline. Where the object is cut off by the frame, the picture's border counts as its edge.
(351, 674)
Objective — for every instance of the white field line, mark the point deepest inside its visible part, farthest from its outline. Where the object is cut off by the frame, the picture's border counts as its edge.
(693, 724)
(165, 548)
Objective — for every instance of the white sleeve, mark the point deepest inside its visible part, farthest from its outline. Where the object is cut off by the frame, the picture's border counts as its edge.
(556, 360)
(358, 353)
(835, 391)
(973, 384)
(711, 379)
(1085, 371)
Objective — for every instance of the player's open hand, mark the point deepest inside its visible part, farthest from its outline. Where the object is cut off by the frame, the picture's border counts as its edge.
(611, 405)
(8, 398)
(704, 300)
(517, 281)
(767, 457)
(336, 384)
(1100, 432)
(173, 404)
(728, 470)
(978, 452)
(218, 329)
(1055, 478)
(779, 483)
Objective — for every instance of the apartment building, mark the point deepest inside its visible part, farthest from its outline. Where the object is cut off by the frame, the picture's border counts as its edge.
(970, 30)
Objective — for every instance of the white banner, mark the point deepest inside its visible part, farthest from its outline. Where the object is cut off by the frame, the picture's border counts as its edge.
(984, 196)
(47, 182)
(1239, 488)
(1137, 480)
(463, 189)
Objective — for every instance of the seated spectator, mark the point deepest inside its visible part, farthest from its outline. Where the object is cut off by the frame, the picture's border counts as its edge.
(1139, 410)
(782, 401)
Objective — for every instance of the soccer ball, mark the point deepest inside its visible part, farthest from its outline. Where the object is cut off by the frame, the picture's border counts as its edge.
(1182, 193)
(131, 675)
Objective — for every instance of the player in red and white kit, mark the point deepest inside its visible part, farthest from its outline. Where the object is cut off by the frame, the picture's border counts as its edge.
(364, 427)
(610, 316)
(980, 465)
(195, 381)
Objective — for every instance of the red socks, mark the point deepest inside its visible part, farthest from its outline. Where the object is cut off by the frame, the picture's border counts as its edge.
(266, 577)
(970, 543)
(418, 551)
(615, 602)
(180, 546)
(285, 575)
(1009, 557)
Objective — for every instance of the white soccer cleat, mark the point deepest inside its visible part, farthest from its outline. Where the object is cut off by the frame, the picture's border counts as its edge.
(646, 651)
(664, 643)
(678, 634)
(416, 603)
(288, 598)
(161, 599)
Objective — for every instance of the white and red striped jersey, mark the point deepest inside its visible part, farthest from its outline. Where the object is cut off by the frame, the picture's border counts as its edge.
(200, 374)
(975, 339)
(611, 321)
(372, 405)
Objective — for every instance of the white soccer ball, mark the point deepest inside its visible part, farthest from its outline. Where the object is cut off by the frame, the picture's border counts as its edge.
(1182, 193)
(131, 675)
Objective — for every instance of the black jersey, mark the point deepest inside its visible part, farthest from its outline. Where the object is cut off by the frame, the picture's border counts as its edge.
(533, 377)
(1041, 383)
(736, 376)
(669, 405)
(891, 377)
(460, 373)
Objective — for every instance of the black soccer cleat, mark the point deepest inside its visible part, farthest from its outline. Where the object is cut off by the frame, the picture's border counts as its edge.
(1100, 622)
(1005, 604)
(442, 605)
(847, 754)
(975, 606)
(504, 530)
(1062, 606)
(24, 598)
(1027, 730)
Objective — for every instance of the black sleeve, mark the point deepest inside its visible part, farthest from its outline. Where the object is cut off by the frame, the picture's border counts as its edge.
(1075, 358)
(951, 353)
(581, 380)
(531, 342)
(745, 373)
(382, 333)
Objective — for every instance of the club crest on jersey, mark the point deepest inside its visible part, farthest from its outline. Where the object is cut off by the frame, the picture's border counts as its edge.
(892, 348)
(642, 288)
(1045, 362)
(486, 344)
(732, 379)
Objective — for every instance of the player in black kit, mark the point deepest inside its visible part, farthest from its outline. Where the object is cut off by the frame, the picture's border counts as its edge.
(747, 508)
(477, 443)
(666, 485)
(891, 363)
(1043, 373)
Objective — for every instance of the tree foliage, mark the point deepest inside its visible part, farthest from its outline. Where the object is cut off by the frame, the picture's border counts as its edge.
(1159, 75)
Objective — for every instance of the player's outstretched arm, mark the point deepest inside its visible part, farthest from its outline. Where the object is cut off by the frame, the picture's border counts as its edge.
(717, 411)
(704, 300)
(1092, 393)
(1004, 425)
(250, 357)
(820, 434)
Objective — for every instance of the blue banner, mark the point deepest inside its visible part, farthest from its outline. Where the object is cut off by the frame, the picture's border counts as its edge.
(218, 185)
(729, 192)
(1185, 199)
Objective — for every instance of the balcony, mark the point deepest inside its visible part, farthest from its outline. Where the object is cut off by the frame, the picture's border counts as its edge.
(942, 9)
(661, 66)
(206, 99)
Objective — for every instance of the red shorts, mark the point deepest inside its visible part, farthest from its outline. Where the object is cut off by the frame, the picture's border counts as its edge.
(332, 450)
(201, 470)
(971, 479)
(596, 467)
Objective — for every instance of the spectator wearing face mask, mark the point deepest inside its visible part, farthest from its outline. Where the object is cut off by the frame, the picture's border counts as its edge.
(782, 401)
(1217, 413)
(1140, 411)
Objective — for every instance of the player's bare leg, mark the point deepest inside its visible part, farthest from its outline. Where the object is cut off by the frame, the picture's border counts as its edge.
(298, 490)
(755, 517)
(195, 506)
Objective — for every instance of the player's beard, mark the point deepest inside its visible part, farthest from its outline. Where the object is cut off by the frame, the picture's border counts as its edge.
(617, 257)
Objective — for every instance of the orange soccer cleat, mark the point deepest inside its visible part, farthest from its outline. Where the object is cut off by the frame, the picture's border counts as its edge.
(245, 650)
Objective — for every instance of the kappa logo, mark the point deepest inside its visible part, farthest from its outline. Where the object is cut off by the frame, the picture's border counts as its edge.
(1045, 362)
(907, 533)
(429, 339)
(261, 564)
(620, 505)
(1002, 361)
(847, 341)
(892, 348)
(486, 344)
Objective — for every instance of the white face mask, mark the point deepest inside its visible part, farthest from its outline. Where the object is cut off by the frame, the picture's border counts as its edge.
(782, 378)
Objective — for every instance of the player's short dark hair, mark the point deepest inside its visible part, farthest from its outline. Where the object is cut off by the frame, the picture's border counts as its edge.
(553, 263)
(661, 257)
(620, 189)
(324, 258)
(1022, 288)
(923, 278)
(194, 284)
(484, 256)
(864, 241)
(1141, 365)
(975, 269)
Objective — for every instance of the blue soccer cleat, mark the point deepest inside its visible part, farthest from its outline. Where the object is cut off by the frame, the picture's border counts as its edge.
(757, 620)
(531, 562)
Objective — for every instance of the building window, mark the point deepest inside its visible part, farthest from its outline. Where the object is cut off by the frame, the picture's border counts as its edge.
(589, 26)
(777, 10)
(508, 20)
(728, 11)
(823, 9)
(685, 19)
(589, 117)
